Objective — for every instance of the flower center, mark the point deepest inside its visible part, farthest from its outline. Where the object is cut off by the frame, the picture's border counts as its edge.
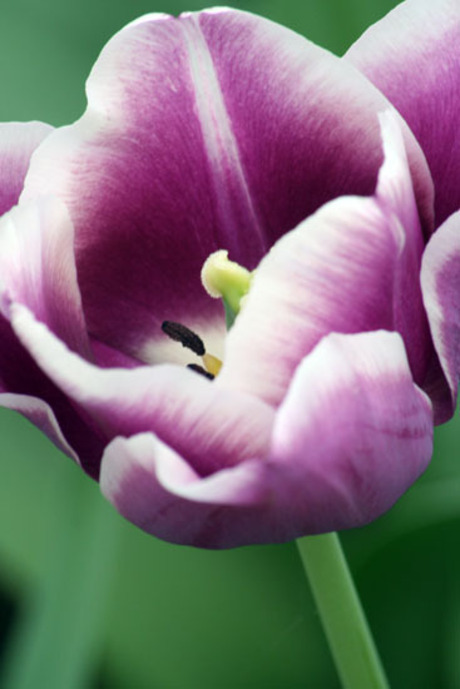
(190, 340)
(222, 279)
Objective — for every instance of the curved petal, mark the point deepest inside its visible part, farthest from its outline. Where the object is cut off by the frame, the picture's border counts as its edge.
(441, 289)
(18, 140)
(107, 357)
(154, 488)
(215, 130)
(41, 415)
(351, 267)
(210, 427)
(37, 269)
(351, 436)
(413, 57)
(25, 388)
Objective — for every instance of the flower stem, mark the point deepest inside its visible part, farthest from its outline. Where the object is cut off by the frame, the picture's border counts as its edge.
(342, 616)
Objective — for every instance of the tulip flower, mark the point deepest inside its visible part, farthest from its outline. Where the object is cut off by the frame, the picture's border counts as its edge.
(225, 163)
(390, 54)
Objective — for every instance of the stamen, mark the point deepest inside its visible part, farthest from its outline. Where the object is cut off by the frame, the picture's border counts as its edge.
(201, 370)
(190, 340)
(211, 363)
(187, 338)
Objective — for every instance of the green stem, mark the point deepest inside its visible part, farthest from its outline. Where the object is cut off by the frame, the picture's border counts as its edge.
(342, 616)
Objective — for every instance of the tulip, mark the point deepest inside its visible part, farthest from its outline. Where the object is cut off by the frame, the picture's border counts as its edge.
(222, 155)
(391, 55)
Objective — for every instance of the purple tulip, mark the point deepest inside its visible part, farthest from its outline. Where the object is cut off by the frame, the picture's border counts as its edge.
(421, 78)
(223, 131)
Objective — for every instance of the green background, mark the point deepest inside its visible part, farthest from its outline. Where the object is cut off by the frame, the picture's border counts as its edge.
(86, 600)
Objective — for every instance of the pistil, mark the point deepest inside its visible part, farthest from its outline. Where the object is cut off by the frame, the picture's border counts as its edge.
(226, 280)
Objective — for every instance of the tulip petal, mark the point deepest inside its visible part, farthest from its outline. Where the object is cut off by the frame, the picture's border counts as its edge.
(441, 289)
(37, 270)
(351, 436)
(107, 357)
(351, 267)
(353, 433)
(413, 57)
(18, 140)
(26, 389)
(154, 488)
(41, 415)
(216, 130)
(210, 427)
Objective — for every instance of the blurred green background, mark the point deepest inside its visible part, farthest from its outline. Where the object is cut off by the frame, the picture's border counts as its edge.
(89, 602)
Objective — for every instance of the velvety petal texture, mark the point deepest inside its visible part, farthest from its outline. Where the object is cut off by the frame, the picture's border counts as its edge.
(32, 236)
(154, 488)
(213, 130)
(18, 140)
(37, 270)
(212, 428)
(42, 416)
(441, 291)
(413, 57)
(352, 434)
(30, 239)
(353, 266)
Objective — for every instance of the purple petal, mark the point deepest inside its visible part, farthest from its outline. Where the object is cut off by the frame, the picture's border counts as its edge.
(351, 267)
(413, 57)
(37, 269)
(353, 433)
(29, 391)
(210, 427)
(18, 140)
(156, 489)
(351, 436)
(41, 415)
(441, 290)
(107, 357)
(215, 130)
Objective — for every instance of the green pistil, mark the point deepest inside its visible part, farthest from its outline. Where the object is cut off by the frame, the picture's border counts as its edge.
(226, 280)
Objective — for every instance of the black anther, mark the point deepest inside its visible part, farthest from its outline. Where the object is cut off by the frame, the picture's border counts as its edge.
(187, 338)
(202, 371)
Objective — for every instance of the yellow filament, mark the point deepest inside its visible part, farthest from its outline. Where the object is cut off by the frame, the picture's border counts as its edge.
(211, 363)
